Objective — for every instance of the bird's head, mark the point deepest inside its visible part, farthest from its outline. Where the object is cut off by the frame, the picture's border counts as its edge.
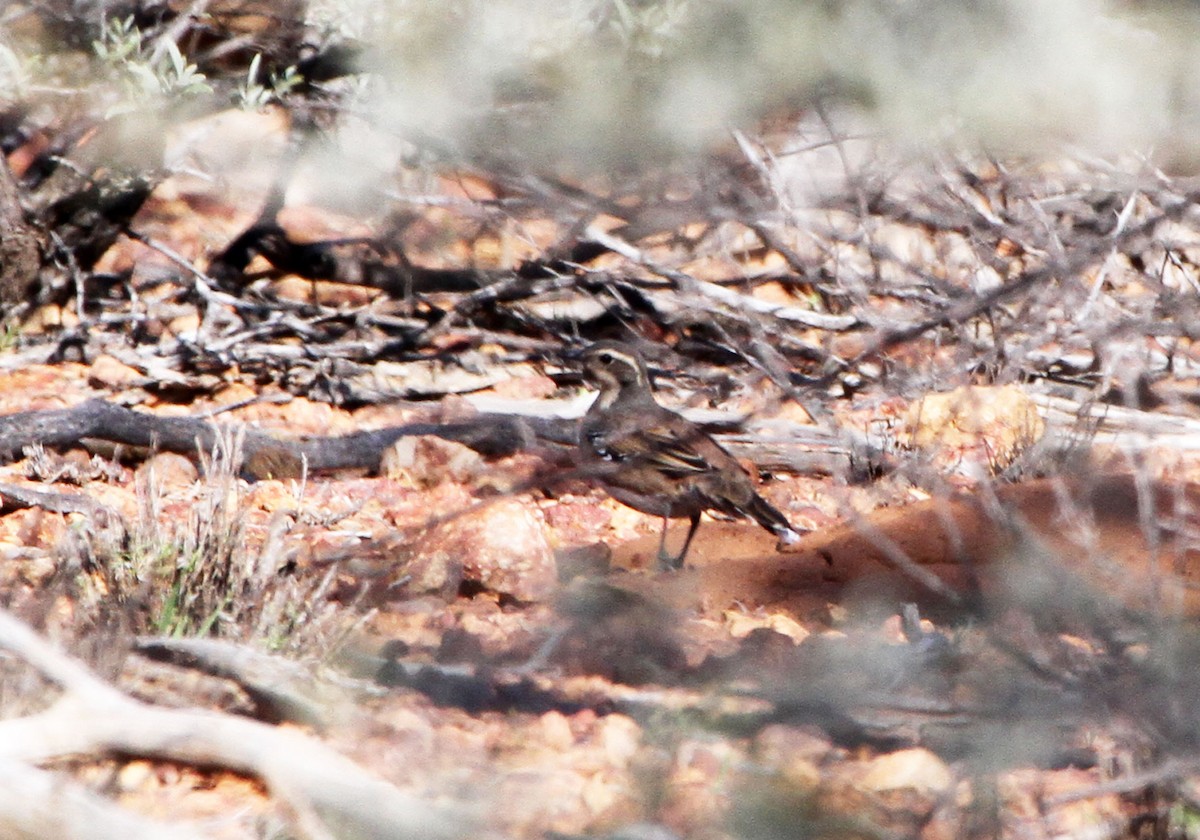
(614, 367)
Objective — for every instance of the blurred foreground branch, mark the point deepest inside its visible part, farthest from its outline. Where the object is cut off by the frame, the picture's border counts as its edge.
(95, 720)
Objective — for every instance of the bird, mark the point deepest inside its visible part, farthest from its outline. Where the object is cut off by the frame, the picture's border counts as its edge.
(656, 461)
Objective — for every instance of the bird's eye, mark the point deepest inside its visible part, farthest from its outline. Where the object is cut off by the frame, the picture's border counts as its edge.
(606, 358)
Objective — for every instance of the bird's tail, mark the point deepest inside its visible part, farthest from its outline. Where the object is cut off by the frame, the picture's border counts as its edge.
(765, 514)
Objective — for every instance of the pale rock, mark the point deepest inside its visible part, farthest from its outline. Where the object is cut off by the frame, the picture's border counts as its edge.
(914, 769)
(134, 776)
(169, 471)
(501, 545)
(108, 372)
(621, 737)
(990, 425)
(426, 461)
(742, 624)
(556, 731)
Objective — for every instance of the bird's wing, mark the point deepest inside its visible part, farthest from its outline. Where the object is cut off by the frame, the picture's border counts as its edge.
(658, 446)
(673, 453)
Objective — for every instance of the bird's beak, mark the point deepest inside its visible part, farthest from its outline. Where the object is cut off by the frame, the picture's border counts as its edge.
(574, 354)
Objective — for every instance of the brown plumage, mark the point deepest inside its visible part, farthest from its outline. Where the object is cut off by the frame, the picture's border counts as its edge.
(657, 461)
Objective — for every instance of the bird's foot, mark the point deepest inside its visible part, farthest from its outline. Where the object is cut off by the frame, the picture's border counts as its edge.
(667, 563)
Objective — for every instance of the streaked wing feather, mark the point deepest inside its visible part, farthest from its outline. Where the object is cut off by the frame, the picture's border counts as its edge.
(673, 455)
(662, 450)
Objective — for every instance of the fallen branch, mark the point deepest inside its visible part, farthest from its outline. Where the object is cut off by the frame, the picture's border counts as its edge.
(796, 448)
(35, 804)
(265, 455)
(94, 720)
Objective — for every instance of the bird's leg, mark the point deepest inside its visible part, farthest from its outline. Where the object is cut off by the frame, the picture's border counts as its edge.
(667, 562)
(687, 541)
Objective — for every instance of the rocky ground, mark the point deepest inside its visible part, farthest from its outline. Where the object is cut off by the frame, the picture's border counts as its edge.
(375, 595)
